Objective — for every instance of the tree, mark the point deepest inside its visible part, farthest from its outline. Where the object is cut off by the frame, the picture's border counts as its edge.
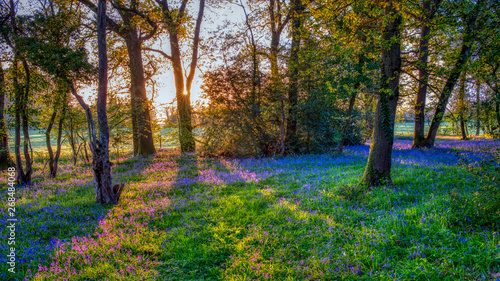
(470, 31)
(293, 69)
(131, 31)
(175, 21)
(5, 159)
(429, 9)
(59, 105)
(12, 34)
(67, 61)
(378, 166)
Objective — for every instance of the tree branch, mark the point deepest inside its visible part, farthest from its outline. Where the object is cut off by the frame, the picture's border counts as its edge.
(165, 55)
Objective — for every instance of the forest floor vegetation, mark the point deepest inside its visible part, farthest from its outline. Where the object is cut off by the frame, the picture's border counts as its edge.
(185, 217)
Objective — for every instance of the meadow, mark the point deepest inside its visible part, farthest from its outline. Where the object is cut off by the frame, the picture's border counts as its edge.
(186, 217)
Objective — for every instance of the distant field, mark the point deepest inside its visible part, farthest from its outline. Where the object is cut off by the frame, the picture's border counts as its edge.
(39, 145)
(38, 137)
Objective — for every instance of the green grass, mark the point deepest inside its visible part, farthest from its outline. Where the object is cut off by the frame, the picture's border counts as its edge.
(293, 218)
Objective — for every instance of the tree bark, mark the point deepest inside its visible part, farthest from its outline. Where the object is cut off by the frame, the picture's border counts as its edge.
(21, 106)
(423, 75)
(59, 136)
(352, 100)
(105, 193)
(141, 118)
(52, 120)
(183, 90)
(293, 84)
(478, 107)
(5, 159)
(454, 75)
(461, 106)
(54, 159)
(497, 111)
(21, 176)
(378, 167)
(143, 143)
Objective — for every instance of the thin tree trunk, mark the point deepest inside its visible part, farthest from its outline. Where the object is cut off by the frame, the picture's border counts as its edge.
(497, 112)
(52, 120)
(478, 108)
(59, 137)
(453, 78)
(21, 177)
(186, 137)
(352, 100)
(293, 84)
(25, 123)
(72, 140)
(423, 75)
(5, 159)
(105, 192)
(282, 127)
(378, 167)
(461, 106)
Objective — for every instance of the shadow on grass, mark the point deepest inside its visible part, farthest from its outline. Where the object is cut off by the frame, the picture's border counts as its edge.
(201, 234)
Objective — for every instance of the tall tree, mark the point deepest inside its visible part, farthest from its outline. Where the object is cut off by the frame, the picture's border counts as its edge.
(130, 29)
(12, 33)
(175, 21)
(468, 39)
(102, 168)
(67, 60)
(297, 9)
(60, 106)
(461, 105)
(378, 166)
(5, 159)
(429, 8)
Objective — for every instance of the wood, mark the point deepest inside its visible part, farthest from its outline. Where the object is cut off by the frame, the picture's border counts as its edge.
(378, 167)
(423, 75)
(5, 158)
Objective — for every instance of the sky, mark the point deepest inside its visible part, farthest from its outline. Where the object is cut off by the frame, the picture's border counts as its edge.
(165, 89)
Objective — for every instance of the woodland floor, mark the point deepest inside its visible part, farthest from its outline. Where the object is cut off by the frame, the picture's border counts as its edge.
(292, 218)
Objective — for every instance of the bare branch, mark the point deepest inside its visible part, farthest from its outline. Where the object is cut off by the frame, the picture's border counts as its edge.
(165, 55)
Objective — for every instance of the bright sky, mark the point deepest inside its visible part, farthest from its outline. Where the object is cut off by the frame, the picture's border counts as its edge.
(165, 81)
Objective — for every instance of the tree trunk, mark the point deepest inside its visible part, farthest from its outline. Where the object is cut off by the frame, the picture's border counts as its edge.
(141, 119)
(71, 138)
(105, 193)
(282, 127)
(52, 120)
(497, 111)
(5, 159)
(423, 76)
(378, 167)
(352, 100)
(453, 78)
(21, 177)
(183, 99)
(293, 84)
(59, 136)
(478, 108)
(461, 106)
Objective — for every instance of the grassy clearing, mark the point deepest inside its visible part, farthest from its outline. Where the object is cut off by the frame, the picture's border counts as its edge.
(293, 218)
